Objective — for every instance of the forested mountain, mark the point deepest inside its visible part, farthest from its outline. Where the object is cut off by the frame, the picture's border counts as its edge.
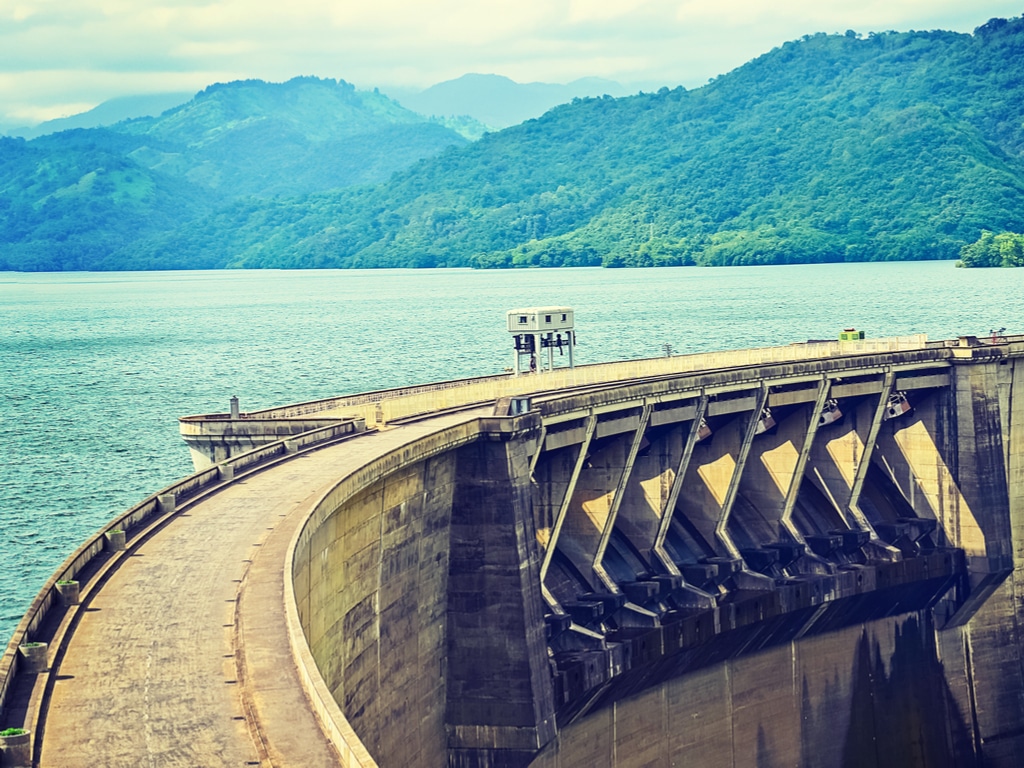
(833, 147)
(81, 199)
(68, 202)
(305, 135)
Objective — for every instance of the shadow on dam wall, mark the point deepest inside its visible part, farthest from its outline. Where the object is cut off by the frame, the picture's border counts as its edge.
(902, 713)
(871, 696)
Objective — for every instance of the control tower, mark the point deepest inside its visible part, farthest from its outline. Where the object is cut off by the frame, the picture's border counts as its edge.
(538, 328)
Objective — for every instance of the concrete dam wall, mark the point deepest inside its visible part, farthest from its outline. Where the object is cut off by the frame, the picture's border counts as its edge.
(794, 564)
(795, 556)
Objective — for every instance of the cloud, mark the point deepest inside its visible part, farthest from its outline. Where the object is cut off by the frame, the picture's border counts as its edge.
(69, 52)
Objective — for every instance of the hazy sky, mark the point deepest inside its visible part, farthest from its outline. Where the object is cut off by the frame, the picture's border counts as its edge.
(60, 57)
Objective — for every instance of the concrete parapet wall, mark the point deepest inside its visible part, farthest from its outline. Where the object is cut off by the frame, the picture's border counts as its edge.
(397, 404)
(467, 389)
(215, 439)
(247, 426)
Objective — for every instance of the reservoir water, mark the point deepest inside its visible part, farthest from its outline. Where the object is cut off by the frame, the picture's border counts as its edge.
(95, 368)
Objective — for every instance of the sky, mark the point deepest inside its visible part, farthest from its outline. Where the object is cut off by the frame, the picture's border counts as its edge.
(62, 57)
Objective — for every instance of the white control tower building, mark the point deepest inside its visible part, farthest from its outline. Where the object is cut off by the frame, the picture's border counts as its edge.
(537, 329)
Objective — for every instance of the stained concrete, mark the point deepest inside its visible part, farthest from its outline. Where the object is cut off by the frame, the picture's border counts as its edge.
(868, 696)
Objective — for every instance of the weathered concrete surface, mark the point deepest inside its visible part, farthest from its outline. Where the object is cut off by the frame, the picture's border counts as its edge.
(151, 675)
(420, 605)
(649, 484)
(985, 448)
(416, 584)
(371, 589)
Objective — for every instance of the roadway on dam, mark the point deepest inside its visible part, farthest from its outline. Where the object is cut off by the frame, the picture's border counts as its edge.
(183, 658)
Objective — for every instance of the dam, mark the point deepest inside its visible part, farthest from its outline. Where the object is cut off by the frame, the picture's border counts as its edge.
(800, 555)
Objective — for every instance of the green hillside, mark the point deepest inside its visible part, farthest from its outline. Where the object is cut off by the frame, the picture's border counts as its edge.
(830, 148)
(834, 147)
(83, 199)
(67, 203)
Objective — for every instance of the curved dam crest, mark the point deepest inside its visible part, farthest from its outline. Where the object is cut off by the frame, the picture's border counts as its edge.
(791, 556)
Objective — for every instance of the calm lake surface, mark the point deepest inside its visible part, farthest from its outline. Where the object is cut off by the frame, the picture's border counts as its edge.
(95, 368)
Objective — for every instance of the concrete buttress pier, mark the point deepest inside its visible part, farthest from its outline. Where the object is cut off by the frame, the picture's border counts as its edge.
(499, 680)
(805, 555)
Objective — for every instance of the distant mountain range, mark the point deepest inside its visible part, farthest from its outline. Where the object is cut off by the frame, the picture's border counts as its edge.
(499, 102)
(471, 104)
(108, 113)
(829, 148)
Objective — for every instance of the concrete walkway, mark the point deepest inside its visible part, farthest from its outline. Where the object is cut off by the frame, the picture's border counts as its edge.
(182, 658)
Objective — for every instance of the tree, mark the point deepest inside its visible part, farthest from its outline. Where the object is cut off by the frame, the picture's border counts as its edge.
(991, 250)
